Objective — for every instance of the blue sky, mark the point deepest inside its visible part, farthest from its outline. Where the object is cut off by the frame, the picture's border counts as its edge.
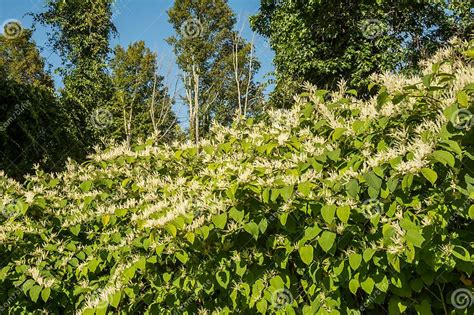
(144, 20)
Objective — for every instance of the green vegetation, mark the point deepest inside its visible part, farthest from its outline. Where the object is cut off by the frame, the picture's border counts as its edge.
(80, 34)
(324, 41)
(350, 191)
(218, 64)
(335, 206)
(141, 106)
(34, 127)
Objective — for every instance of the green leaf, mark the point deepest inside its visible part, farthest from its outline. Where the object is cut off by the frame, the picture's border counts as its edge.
(382, 98)
(352, 188)
(338, 132)
(383, 284)
(424, 308)
(415, 238)
(75, 229)
(373, 181)
(220, 220)
(277, 282)
(461, 253)
(355, 260)
(368, 285)
(141, 263)
(129, 273)
(35, 292)
(262, 226)
(429, 175)
(471, 212)
(262, 306)
(286, 192)
(358, 126)
(223, 278)
(396, 306)
(328, 212)
(462, 98)
(427, 80)
(114, 299)
(304, 188)
(326, 240)
(27, 285)
(353, 285)
(311, 232)
(306, 254)
(86, 186)
(45, 294)
(183, 257)
(368, 253)
(343, 213)
(237, 215)
(417, 284)
(252, 229)
(190, 237)
(232, 190)
(171, 229)
(444, 157)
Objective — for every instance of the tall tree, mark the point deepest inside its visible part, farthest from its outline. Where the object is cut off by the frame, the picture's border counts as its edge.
(34, 127)
(141, 104)
(212, 55)
(20, 58)
(80, 33)
(323, 41)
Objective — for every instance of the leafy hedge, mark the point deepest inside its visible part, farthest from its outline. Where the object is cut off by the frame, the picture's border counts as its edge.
(337, 206)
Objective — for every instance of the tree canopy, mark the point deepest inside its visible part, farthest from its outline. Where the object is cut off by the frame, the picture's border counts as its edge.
(324, 41)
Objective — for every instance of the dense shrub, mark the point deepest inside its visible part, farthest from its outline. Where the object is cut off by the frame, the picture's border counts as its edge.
(336, 206)
(34, 129)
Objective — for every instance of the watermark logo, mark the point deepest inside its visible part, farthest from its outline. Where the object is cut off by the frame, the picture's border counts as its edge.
(462, 298)
(191, 28)
(372, 28)
(371, 299)
(19, 109)
(9, 301)
(281, 298)
(9, 209)
(462, 119)
(101, 118)
(12, 29)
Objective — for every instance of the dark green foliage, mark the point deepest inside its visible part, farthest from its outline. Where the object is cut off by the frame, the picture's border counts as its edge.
(34, 127)
(324, 41)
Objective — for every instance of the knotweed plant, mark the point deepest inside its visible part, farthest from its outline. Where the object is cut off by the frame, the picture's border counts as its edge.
(336, 206)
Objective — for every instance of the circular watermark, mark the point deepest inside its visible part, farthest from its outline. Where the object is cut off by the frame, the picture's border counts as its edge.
(372, 28)
(12, 29)
(372, 207)
(101, 118)
(191, 28)
(281, 298)
(462, 298)
(462, 119)
(9, 209)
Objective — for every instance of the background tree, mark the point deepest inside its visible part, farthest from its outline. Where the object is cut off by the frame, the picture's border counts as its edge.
(141, 105)
(34, 127)
(204, 45)
(21, 60)
(323, 41)
(80, 33)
